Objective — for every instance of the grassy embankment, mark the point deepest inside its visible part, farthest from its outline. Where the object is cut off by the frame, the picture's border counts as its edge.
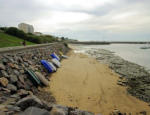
(9, 41)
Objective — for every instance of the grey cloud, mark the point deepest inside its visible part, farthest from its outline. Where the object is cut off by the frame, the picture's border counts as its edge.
(90, 35)
(16, 11)
(13, 12)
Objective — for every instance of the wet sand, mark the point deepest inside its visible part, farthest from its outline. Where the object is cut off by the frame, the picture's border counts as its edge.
(85, 83)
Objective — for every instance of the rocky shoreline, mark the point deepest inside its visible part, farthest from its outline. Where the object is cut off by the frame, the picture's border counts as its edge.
(132, 75)
(18, 94)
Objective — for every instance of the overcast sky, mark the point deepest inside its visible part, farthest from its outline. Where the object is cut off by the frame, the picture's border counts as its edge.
(82, 19)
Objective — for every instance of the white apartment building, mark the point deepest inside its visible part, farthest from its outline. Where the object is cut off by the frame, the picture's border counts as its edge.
(26, 28)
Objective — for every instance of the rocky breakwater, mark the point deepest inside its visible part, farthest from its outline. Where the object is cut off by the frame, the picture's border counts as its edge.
(134, 76)
(17, 92)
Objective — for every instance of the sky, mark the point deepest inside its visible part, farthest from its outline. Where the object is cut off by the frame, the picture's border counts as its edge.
(85, 20)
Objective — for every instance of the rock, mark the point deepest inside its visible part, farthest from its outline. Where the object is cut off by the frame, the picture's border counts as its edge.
(9, 71)
(12, 87)
(34, 111)
(23, 65)
(12, 103)
(2, 113)
(16, 66)
(57, 111)
(14, 96)
(13, 78)
(4, 81)
(5, 89)
(21, 79)
(13, 108)
(22, 71)
(29, 62)
(120, 83)
(2, 100)
(10, 113)
(60, 108)
(28, 84)
(20, 85)
(116, 112)
(11, 65)
(26, 64)
(11, 59)
(2, 67)
(23, 93)
(80, 112)
(20, 59)
(5, 61)
(16, 72)
(29, 101)
(4, 73)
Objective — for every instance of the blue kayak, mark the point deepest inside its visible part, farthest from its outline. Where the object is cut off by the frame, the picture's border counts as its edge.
(47, 66)
(53, 55)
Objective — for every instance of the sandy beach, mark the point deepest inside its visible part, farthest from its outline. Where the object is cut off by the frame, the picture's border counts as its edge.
(85, 83)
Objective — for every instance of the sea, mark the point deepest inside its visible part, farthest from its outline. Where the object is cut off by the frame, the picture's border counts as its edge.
(129, 52)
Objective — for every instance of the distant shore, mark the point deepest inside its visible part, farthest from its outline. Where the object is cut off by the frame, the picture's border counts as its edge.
(108, 42)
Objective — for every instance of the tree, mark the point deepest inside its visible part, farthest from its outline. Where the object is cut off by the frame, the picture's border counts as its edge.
(15, 32)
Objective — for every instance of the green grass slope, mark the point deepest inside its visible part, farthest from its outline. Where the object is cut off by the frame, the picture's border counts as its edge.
(9, 41)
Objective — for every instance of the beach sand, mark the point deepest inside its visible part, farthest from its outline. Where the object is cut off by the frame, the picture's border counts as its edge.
(85, 83)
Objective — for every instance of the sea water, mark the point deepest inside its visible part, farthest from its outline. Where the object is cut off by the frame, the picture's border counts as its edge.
(130, 52)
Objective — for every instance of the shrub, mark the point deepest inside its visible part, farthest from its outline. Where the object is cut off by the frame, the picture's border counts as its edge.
(15, 32)
(65, 44)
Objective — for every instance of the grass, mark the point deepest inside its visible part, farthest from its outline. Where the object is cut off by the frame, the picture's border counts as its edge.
(9, 41)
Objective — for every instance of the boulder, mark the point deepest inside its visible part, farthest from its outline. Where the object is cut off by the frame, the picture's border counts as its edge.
(80, 112)
(20, 85)
(13, 78)
(11, 87)
(13, 108)
(5, 61)
(16, 72)
(21, 78)
(5, 90)
(61, 109)
(28, 102)
(21, 71)
(57, 111)
(2, 113)
(23, 93)
(3, 81)
(2, 67)
(16, 66)
(116, 112)
(34, 111)
(11, 65)
(4, 73)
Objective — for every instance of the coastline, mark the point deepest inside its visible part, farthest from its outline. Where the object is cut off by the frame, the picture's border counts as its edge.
(85, 83)
(134, 76)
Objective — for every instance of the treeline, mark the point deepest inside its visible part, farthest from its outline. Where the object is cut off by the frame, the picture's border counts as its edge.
(29, 36)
